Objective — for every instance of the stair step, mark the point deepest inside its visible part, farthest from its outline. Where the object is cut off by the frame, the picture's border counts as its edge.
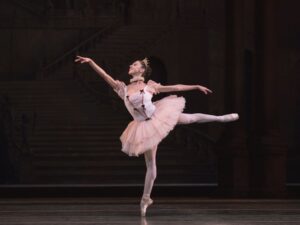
(95, 163)
(112, 170)
(104, 155)
(126, 180)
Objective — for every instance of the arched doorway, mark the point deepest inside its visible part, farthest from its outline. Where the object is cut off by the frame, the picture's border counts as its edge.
(159, 72)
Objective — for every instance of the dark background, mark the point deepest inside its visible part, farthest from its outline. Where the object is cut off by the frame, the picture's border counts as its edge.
(60, 123)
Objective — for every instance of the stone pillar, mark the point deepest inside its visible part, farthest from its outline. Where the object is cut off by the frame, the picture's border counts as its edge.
(233, 157)
(267, 147)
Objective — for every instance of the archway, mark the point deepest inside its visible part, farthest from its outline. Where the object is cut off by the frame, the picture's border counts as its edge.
(159, 72)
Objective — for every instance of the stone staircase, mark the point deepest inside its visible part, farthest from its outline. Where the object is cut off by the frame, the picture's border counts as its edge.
(33, 7)
(114, 51)
(75, 139)
(75, 133)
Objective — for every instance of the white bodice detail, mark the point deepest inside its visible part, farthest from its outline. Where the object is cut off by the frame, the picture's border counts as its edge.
(139, 104)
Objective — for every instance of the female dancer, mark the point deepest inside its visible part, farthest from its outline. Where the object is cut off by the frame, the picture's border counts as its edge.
(152, 120)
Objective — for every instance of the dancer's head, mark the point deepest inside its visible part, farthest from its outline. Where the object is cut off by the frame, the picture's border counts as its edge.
(140, 68)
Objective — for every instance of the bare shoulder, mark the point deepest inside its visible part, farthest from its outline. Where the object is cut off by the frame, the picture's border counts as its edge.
(118, 84)
(153, 86)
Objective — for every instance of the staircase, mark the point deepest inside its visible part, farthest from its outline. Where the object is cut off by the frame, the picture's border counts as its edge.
(114, 49)
(75, 139)
(33, 7)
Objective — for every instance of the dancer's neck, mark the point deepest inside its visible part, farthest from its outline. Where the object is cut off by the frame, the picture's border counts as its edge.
(137, 79)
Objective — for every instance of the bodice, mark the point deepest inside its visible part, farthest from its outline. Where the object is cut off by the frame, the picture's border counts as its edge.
(139, 104)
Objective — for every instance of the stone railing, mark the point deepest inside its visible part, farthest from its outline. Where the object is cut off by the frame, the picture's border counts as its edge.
(46, 71)
(30, 7)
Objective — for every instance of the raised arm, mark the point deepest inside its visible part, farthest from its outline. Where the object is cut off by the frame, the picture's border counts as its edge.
(182, 87)
(98, 69)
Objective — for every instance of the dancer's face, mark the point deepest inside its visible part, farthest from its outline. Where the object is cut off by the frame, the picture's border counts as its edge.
(136, 69)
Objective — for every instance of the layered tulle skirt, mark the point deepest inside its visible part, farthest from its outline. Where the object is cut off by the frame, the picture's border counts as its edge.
(141, 136)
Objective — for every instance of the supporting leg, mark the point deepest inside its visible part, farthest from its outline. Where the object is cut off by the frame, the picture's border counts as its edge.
(150, 159)
(186, 118)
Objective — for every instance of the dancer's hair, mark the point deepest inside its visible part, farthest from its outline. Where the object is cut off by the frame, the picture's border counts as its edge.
(146, 66)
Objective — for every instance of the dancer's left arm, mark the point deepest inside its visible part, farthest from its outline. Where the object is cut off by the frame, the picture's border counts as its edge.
(182, 87)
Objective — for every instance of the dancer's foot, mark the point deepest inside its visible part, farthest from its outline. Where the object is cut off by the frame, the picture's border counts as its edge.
(229, 117)
(145, 202)
(143, 220)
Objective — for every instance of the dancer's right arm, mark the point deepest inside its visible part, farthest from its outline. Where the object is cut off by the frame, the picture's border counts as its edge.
(98, 69)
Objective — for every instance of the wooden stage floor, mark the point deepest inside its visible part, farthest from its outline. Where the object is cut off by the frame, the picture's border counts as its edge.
(164, 211)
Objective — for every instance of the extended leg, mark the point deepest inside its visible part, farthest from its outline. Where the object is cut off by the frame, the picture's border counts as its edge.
(186, 118)
(150, 159)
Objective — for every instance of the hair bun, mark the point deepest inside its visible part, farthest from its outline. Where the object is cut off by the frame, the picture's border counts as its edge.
(146, 61)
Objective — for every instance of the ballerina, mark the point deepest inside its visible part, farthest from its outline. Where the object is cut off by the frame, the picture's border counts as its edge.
(152, 121)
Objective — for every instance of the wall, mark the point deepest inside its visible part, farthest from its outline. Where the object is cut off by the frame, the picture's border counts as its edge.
(29, 40)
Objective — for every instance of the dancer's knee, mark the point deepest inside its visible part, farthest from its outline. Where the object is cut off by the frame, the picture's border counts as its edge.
(184, 119)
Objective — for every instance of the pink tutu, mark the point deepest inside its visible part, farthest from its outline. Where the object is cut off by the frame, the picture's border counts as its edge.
(141, 136)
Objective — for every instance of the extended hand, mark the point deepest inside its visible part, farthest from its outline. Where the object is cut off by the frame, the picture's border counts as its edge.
(82, 59)
(204, 89)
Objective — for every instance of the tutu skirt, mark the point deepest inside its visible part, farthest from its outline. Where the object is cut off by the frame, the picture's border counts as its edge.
(141, 136)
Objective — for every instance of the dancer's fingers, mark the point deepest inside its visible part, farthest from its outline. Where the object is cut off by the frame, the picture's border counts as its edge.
(204, 91)
(79, 58)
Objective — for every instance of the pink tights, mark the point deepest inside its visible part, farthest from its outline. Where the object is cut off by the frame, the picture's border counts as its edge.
(184, 118)
(150, 158)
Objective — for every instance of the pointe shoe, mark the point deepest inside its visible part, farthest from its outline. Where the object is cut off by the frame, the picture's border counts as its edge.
(145, 202)
(143, 221)
(229, 117)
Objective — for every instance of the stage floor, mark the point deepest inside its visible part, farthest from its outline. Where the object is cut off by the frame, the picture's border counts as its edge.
(164, 211)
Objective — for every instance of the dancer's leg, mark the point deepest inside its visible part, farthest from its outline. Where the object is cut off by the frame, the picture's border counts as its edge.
(186, 118)
(150, 159)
